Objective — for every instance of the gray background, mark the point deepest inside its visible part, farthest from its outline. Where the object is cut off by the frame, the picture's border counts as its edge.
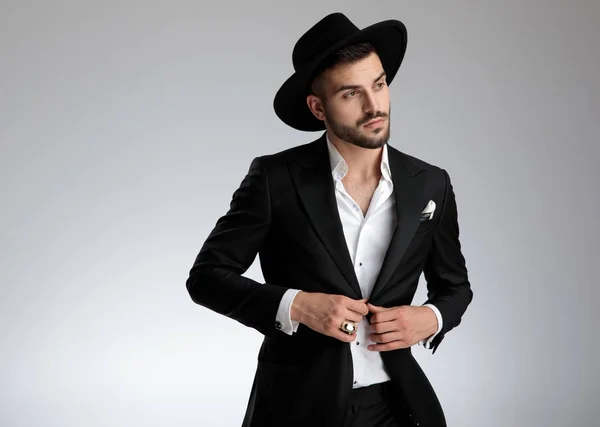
(126, 126)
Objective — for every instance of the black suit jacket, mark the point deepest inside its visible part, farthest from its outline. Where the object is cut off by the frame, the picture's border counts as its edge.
(285, 210)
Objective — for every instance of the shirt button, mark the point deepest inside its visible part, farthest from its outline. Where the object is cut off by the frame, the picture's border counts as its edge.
(360, 263)
(278, 325)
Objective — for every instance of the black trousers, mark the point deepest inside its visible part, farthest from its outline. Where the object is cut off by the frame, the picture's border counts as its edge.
(377, 405)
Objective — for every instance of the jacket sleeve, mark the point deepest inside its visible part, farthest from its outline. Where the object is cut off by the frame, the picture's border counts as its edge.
(445, 269)
(215, 279)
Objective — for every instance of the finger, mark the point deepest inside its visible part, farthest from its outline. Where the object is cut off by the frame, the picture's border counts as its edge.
(375, 308)
(383, 327)
(358, 306)
(386, 337)
(385, 315)
(333, 329)
(378, 309)
(394, 345)
(353, 316)
(342, 336)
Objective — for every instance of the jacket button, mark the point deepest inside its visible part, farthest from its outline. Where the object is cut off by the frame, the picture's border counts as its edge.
(278, 325)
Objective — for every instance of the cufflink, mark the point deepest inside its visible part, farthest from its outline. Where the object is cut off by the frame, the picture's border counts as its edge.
(278, 325)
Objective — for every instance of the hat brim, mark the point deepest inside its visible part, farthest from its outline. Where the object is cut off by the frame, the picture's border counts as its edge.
(389, 38)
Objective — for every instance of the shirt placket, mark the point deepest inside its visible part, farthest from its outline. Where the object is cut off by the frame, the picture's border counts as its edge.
(379, 197)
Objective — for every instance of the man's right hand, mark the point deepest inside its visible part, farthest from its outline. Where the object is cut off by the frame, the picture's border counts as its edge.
(325, 313)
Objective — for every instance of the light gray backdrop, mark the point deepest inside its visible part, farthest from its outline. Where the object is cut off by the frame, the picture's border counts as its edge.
(126, 126)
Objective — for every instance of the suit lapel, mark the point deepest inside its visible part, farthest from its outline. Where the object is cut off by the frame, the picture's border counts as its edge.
(314, 183)
(408, 192)
(312, 177)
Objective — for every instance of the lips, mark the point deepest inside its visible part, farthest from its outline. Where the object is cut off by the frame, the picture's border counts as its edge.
(374, 121)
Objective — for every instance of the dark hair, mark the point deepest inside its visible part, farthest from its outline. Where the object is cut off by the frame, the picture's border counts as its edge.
(345, 55)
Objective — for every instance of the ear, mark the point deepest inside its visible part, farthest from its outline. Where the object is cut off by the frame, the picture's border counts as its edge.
(315, 105)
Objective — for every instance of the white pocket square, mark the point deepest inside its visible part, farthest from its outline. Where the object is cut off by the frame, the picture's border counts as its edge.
(427, 213)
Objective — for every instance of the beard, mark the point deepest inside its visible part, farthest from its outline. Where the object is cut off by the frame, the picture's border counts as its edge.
(359, 136)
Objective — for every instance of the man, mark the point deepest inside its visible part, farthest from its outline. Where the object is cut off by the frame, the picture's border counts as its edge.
(344, 226)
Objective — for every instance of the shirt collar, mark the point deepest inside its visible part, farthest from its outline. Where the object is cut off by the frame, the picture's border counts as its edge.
(339, 167)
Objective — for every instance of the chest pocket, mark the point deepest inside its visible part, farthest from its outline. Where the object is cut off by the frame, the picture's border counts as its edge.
(426, 226)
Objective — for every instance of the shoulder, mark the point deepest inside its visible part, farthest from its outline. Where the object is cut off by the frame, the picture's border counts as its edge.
(416, 162)
(303, 153)
(417, 165)
(289, 154)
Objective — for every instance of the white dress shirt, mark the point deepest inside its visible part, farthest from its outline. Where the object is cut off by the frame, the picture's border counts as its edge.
(368, 237)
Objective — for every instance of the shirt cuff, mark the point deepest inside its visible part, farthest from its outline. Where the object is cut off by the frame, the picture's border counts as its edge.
(288, 325)
(427, 341)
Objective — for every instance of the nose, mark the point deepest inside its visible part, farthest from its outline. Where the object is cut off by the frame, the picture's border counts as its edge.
(371, 104)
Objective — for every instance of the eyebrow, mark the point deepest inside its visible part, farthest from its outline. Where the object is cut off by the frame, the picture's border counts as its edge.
(345, 87)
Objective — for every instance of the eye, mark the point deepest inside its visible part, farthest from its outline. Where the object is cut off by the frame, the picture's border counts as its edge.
(348, 94)
(380, 84)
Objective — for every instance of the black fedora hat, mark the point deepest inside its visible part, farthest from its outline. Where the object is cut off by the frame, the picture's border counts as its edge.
(324, 38)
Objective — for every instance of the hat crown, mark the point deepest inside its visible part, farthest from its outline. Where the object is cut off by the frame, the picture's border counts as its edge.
(327, 32)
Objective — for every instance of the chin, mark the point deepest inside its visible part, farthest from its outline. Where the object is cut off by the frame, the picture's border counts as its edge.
(379, 139)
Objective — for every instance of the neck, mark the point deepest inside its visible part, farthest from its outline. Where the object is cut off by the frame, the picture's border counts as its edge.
(364, 164)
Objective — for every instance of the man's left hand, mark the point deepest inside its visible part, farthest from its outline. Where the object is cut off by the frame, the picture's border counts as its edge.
(400, 327)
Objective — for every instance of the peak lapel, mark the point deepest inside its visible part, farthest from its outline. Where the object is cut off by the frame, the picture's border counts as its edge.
(314, 184)
(408, 191)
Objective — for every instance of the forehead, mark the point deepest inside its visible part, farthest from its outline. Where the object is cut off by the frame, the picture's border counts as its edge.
(358, 72)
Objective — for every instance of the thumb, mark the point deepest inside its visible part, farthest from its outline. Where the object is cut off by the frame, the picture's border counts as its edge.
(375, 308)
(366, 309)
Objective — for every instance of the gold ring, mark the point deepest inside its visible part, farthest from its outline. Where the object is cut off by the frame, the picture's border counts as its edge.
(349, 327)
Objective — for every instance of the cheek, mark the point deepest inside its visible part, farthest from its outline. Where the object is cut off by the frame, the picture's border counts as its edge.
(346, 116)
(384, 100)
